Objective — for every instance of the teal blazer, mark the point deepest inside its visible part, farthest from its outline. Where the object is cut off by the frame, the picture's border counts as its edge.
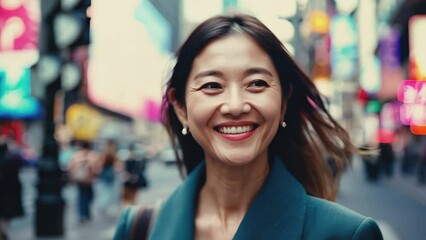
(281, 210)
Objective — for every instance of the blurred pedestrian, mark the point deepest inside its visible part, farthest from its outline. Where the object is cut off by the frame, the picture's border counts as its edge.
(251, 126)
(134, 176)
(82, 171)
(109, 182)
(10, 185)
(421, 173)
(386, 159)
(371, 165)
(66, 151)
(411, 151)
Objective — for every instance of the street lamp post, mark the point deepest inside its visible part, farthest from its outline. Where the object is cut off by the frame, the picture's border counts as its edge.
(64, 26)
(50, 203)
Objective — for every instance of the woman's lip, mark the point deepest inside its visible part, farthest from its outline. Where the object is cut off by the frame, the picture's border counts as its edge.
(236, 124)
(237, 137)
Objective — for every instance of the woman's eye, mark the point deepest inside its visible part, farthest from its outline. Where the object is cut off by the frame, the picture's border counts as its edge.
(258, 83)
(211, 85)
(211, 88)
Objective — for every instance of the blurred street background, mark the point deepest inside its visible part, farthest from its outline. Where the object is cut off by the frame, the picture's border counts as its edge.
(92, 72)
(397, 203)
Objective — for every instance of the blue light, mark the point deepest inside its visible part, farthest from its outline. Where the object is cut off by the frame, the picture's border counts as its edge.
(15, 95)
(344, 47)
(158, 27)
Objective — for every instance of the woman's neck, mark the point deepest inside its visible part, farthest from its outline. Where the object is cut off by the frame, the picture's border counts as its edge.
(228, 193)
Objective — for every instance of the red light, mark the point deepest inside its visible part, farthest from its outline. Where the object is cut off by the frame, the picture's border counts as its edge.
(386, 136)
(418, 130)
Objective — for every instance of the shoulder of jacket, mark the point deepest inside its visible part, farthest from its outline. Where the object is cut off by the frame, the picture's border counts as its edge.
(124, 224)
(329, 209)
(329, 220)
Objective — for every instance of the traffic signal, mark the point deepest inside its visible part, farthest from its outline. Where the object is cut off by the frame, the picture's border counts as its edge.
(71, 24)
(65, 26)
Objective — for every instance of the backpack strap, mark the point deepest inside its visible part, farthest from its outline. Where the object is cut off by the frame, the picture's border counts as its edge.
(141, 223)
(144, 221)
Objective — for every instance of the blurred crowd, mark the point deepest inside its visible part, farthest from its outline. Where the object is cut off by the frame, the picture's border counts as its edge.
(113, 173)
(103, 171)
(406, 154)
(100, 171)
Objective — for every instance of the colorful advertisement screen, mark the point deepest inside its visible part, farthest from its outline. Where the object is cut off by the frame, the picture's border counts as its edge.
(128, 57)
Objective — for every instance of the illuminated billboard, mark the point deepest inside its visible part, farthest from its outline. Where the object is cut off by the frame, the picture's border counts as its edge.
(19, 32)
(417, 36)
(128, 55)
(412, 94)
(18, 51)
(15, 95)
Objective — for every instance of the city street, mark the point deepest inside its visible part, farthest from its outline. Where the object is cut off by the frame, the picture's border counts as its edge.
(86, 84)
(398, 204)
(162, 179)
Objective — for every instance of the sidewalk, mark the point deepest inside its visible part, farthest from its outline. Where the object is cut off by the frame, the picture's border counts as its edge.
(407, 184)
(97, 229)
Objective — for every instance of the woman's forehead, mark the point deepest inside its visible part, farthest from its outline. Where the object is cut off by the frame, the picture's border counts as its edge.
(232, 50)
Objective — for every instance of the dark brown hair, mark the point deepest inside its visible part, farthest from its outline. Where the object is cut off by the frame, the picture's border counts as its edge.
(311, 133)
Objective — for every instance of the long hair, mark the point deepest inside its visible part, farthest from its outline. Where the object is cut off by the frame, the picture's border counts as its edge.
(312, 132)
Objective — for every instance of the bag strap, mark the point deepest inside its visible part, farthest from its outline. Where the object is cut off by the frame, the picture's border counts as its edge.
(141, 224)
(143, 221)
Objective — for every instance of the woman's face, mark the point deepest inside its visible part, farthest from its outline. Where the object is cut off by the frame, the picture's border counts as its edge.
(234, 103)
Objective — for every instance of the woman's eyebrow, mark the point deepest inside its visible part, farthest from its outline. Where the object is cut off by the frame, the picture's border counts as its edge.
(219, 74)
(257, 70)
(208, 73)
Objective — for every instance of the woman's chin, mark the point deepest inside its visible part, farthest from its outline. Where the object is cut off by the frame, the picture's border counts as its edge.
(239, 160)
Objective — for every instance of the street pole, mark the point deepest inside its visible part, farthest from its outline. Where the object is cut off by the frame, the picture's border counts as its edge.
(49, 204)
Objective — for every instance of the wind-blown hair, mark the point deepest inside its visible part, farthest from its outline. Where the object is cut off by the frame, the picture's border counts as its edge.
(311, 133)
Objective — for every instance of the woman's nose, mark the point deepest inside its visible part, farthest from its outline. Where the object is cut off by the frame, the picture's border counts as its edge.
(235, 103)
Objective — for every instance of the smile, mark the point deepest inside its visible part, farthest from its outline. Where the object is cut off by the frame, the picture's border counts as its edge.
(235, 129)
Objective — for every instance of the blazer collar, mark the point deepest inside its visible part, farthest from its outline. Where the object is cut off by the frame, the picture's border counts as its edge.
(277, 211)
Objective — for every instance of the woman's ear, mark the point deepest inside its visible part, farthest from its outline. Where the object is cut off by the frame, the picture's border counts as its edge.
(180, 109)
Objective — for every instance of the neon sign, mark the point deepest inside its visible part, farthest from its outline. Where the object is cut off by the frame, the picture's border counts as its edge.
(413, 110)
(15, 95)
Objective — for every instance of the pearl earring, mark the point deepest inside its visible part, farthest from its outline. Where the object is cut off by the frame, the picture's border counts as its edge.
(283, 124)
(184, 131)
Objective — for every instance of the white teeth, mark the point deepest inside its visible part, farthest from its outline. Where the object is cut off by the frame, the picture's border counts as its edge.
(235, 130)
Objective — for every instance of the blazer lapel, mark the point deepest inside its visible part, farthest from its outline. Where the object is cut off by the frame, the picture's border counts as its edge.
(176, 219)
(278, 210)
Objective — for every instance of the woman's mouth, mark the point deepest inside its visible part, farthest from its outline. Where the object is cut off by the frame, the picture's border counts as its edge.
(235, 129)
(236, 132)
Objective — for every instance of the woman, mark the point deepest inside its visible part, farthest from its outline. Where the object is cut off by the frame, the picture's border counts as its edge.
(251, 126)
(134, 175)
(83, 170)
(109, 182)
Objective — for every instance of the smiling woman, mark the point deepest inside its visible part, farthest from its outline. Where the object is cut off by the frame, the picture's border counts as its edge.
(232, 92)
(230, 83)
